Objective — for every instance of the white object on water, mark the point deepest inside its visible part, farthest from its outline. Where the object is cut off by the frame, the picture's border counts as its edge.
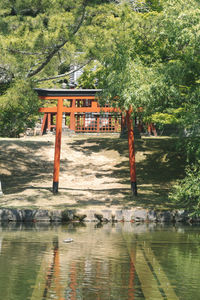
(1, 192)
(68, 240)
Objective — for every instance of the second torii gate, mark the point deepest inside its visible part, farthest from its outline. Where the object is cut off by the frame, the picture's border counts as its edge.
(76, 95)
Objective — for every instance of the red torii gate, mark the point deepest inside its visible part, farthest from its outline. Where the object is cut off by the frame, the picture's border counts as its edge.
(74, 95)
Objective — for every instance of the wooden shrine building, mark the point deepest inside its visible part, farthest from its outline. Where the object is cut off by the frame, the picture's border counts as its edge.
(79, 111)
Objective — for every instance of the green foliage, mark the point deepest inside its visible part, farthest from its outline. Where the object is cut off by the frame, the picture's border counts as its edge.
(18, 109)
(148, 59)
(45, 35)
(190, 148)
(4, 87)
(88, 80)
(172, 116)
(38, 40)
(186, 193)
(193, 149)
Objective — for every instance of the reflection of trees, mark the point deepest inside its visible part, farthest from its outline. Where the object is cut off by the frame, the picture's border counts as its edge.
(101, 263)
(179, 253)
(19, 267)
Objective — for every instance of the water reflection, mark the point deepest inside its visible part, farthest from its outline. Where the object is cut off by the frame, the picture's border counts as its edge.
(114, 261)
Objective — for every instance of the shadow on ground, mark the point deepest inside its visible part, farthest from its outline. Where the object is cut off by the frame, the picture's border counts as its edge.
(158, 165)
(22, 164)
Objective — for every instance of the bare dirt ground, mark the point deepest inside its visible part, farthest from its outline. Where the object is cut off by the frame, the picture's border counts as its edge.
(94, 172)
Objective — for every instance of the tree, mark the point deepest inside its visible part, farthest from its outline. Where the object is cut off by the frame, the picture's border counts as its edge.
(44, 35)
(18, 109)
(186, 193)
(151, 59)
(42, 48)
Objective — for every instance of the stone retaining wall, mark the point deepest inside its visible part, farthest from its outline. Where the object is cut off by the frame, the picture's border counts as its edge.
(106, 215)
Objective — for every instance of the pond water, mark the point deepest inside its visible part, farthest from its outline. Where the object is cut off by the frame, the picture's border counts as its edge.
(120, 261)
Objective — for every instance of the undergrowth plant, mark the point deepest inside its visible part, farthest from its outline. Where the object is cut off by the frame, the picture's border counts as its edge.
(186, 193)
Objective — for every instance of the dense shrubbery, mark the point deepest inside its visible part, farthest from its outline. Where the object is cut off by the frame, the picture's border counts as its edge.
(18, 109)
(186, 192)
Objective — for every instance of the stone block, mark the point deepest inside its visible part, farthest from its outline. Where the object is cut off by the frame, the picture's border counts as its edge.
(90, 216)
(181, 216)
(139, 215)
(107, 215)
(68, 215)
(56, 216)
(79, 217)
(118, 215)
(42, 215)
(99, 217)
(152, 216)
(165, 216)
(7, 215)
(28, 215)
(127, 215)
(1, 192)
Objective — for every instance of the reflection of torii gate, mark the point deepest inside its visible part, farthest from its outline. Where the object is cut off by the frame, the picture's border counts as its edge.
(87, 104)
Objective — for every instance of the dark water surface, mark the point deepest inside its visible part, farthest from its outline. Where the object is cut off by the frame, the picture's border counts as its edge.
(119, 262)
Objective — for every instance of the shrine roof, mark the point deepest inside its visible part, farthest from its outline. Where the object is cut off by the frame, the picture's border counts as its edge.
(66, 92)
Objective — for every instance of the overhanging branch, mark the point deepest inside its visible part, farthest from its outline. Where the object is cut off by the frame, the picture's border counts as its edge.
(64, 74)
(58, 47)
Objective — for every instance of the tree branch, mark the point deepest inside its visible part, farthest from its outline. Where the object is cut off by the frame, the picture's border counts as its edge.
(24, 52)
(63, 75)
(58, 47)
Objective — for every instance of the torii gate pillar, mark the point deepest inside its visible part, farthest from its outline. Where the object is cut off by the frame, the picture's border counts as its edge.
(57, 145)
(131, 147)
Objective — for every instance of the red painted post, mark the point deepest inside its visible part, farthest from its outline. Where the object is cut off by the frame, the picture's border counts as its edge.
(131, 152)
(149, 129)
(84, 127)
(153, 128)
(43, 123)
(57, 145)
(98, 123)
(72, 115)
(49, 122)
(123, 123)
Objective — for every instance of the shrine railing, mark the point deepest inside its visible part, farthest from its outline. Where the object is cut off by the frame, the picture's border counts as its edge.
(91, 122)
